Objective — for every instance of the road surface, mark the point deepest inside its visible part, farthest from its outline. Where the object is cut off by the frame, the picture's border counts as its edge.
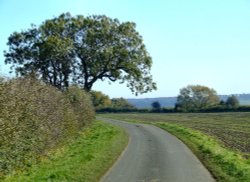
(154, 155)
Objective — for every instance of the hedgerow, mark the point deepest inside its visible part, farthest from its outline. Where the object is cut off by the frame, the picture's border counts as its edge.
(36, 118)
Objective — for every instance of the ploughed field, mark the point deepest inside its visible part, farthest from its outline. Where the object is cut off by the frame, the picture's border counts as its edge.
(232, 129)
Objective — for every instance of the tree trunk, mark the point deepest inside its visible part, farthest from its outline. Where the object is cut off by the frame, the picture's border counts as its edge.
(87, 87)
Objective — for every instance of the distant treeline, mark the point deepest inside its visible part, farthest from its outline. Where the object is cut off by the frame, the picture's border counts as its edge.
(173, 110)
(193, 98)
(244, 99)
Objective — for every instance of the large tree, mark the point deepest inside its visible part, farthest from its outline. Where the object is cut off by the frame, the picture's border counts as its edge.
(82, 50)
(196, 97)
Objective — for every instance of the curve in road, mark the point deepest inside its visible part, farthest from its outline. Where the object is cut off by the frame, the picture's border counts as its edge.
(154, 155)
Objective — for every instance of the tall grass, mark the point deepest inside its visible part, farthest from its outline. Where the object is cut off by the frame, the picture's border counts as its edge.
(36, 118)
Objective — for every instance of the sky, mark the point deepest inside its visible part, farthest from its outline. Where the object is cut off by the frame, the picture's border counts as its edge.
(205, 42)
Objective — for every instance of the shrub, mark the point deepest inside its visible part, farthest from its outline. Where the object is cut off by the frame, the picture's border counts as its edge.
(81, 104)
(36, 118)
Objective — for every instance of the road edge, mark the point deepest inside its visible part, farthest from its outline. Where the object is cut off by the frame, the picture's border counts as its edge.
(120, 156)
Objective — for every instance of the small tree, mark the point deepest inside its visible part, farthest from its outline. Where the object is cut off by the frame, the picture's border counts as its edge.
(121, 103)
(232, 102)
(100, 100)
(156, 105)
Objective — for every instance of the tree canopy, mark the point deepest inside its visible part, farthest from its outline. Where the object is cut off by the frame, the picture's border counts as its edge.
(196, 97)
(121, 103)
(100, 100)
(156, 105)
(82, 50)
(232, 102)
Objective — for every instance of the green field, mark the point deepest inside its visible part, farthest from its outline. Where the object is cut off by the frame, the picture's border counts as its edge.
(220, 140)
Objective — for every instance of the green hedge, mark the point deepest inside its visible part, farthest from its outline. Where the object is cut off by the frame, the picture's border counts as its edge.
(36, 118)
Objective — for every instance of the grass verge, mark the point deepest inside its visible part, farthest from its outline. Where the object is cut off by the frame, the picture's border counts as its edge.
(86, 159)
(225, 165)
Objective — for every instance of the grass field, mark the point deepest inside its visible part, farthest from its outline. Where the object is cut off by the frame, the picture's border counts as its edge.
(220, 140)
(85, 160)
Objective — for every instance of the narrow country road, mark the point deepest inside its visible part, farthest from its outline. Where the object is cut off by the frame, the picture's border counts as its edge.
(154, 155)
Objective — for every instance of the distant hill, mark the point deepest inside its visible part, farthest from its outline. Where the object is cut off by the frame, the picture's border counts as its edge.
(146, 103)
(170, 101)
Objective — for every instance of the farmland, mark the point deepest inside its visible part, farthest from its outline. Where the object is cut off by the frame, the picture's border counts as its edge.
(232, 129)
(219, 140)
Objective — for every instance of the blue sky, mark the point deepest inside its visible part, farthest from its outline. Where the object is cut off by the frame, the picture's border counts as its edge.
(203, 42)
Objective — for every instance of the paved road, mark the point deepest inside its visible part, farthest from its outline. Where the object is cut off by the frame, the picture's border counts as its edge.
(154, 155)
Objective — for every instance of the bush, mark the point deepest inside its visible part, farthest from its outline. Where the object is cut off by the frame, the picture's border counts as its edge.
(81, 104)
(36, 118)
